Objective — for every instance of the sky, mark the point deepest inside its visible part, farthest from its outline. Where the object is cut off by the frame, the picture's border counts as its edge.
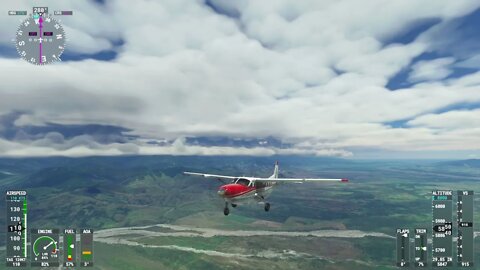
(341, 78)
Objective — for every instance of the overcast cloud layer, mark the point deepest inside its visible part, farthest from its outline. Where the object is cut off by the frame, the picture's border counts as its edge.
(311, 74)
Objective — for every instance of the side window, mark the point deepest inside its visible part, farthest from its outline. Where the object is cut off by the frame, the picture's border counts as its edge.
(259, 185)
(243, 182)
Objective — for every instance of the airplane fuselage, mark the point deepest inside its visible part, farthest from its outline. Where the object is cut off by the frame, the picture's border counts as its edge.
(238, 193)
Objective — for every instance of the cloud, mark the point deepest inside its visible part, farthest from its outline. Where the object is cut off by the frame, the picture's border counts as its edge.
(89, 44)
(473, 62)
(306, 73)
(431, 70)
(452, 120)
(456, 36)
(85, 146)
(14, 126)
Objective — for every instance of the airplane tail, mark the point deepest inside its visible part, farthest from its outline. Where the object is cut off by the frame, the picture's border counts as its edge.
(275, 171)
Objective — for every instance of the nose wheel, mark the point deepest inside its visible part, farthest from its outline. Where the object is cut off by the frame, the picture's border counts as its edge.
(267, 207)
(226, 211)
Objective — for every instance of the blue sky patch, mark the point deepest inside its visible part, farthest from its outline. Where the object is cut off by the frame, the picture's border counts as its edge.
(402, 123)
(398, 123)
(8, 51)
(458, 38)
(100, 56)
(412, 32)
(101, 2)
(459, 106)
(232, 13)
(400, 80)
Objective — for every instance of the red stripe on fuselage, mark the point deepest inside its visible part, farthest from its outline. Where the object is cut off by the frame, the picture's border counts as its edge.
(240, 193)
(235, 190)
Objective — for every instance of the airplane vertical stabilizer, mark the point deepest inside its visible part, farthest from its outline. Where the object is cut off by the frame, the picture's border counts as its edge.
(275, 171)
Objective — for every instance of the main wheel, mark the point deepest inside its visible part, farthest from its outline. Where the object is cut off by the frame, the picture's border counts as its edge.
(226, 211)
(267, 207)
(234, 205)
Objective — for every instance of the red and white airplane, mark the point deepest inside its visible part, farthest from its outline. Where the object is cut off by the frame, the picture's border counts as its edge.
(243, 189)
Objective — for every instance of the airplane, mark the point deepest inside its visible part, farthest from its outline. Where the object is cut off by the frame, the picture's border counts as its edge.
(243, 189)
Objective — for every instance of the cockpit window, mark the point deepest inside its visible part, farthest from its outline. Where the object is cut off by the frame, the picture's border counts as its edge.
(243, 182)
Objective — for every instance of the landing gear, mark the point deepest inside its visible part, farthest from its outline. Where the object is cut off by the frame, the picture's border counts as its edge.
(226, 211)
(267, 207)
(234, 205)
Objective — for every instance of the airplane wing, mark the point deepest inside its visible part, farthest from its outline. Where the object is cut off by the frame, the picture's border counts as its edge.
(210, 175)
(299, 180)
